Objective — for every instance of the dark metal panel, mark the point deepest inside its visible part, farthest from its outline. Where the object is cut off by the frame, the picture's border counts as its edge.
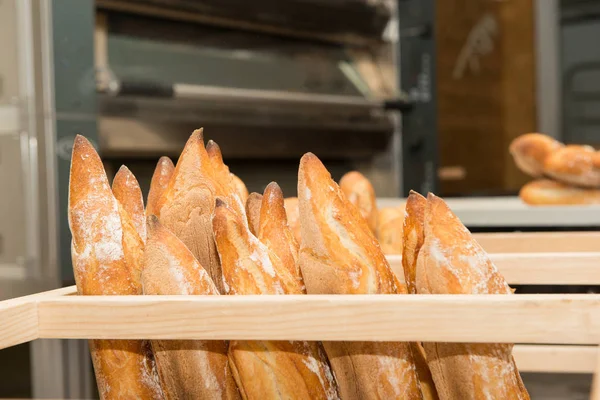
(75, 98)
(417, 78)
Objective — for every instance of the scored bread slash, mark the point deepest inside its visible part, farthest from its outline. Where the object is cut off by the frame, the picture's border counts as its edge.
(452, 262)
(340, 255)
(268, 369)
(413, 236)
(127, 191)
(275, 233)
(253, 204)
(191, 369)
(160, 180)
(359, 191)
(293, 216)
(106, 251)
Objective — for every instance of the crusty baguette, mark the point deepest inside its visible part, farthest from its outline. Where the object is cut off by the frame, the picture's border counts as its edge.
(574, 165)
(413, 238)
(262, 369)
(107, 256)
(340, 255)
(188, 203)
(293, 216)
(253, 204)
(544, 192)
(274, 232)
(452, 262)
(360, 192)
(240, 187)
(188, 369)
(531, 150)
(160, 179)
(224, 182)
(390, 223)
(127, 191)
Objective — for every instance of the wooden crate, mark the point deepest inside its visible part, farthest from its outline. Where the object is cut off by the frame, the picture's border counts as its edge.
(557, 332)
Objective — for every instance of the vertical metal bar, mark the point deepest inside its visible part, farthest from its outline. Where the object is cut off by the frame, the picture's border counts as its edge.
(548, 66)
(418, 79)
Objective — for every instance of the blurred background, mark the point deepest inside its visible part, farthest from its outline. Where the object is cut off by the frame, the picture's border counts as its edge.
(416, 94)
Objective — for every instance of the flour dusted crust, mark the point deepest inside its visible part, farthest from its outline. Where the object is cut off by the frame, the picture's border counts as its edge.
(160, 180)
(188, 369)
(360, 192)
(452, 262)
(225, 184)
(106, 252)
(253, 204)
(546, 192)
(531, 150)
(340, 255)
(127, 191)
(267, 369)
(274, 232)
(293, 216)
(574, 165)
(240, 188)
(390, 223)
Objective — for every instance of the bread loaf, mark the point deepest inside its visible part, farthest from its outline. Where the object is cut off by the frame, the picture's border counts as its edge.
(389, 229)
(293, 216)
(266, 369)
(544, 192)
(107, 258)
(360, 192)
(274, 232)
(160, 179)
(452, 262)
(253, 205)
(413, 237)
(340, 255)
(188, 369)
(127, 191)
(224, 182)
(574, 165)
(240, 187)
(531, 150)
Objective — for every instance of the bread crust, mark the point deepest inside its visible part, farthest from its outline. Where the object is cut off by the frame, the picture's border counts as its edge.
(452, 262)
(267, 369)
(160, 180)
(293, 216)
(389, 229)
(240, 187)
(340, 255)
(360, 192)
(126, 190)
(188, 369)
(413, 236)
(253, 205)
(107, 256)
(531, 150)
(544, 192)
(574, 165)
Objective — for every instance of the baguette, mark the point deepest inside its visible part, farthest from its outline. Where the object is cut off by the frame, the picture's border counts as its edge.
(127, 191)
(546, 192)
(266, 369)
(413, 237)
(452, 262)
(160, 180)
(390, 223)
(293, 216)
(188, 203)
(253, 205)
(574, 165)
(340, 255)
(188, 369)
(240, 187)
(223, 179)
(274, 232)
(531, 150)
(107, 257)
(360, 192)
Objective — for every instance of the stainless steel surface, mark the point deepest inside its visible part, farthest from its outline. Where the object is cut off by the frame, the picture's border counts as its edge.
(548, 84)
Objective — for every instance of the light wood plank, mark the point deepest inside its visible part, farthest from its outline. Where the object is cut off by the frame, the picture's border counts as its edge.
(556, 358)
(568, 319)
(539, 242)
(537, 268)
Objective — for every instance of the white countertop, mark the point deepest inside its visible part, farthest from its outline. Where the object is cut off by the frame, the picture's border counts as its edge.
(512, 212)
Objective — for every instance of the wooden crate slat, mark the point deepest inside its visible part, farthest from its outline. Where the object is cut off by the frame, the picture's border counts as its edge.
(19, 322)
(556, 358)
(539, 242)
(566, 319)
(538, 268)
